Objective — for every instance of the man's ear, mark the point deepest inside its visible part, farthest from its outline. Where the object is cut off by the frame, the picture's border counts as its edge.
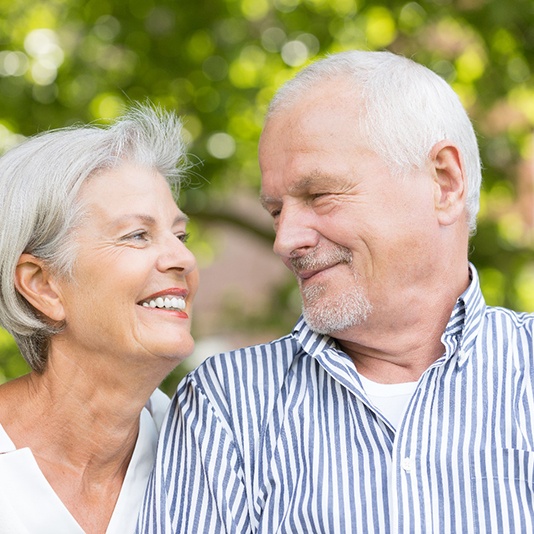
(450, 183)
(35, 283)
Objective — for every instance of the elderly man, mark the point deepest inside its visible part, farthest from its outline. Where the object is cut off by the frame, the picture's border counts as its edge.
(400, 402)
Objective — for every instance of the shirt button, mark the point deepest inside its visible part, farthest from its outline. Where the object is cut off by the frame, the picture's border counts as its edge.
(406, 464)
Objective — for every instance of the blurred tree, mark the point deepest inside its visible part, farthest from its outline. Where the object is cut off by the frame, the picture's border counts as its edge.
(218, 62)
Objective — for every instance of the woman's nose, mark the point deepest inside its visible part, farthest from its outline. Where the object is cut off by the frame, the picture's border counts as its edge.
(176, 255)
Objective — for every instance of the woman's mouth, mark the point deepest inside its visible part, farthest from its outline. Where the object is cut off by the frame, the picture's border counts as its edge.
(167, 302)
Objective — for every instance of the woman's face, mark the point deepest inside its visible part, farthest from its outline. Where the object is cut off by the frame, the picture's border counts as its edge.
(134, 279)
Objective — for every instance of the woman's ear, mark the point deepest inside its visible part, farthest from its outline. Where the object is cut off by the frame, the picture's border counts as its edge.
(35, 283)
(450, 182)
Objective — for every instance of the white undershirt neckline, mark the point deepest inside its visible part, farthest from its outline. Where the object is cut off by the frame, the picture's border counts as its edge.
(390, 399)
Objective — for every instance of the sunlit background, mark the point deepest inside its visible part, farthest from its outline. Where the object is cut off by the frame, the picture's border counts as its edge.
(218, 64)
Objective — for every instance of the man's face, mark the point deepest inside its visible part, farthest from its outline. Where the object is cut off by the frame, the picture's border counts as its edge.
(356, 237)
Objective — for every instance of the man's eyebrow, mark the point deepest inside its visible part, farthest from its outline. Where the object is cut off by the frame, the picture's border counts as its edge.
(318, 179)
(302, 185)
(267, 200)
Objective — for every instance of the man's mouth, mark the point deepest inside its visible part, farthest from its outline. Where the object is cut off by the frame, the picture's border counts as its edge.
(306, 275)
(305, 267)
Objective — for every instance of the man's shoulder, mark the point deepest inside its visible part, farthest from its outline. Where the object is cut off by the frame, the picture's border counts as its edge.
(511, 319)
(242, 381)
(246, 364)
(504, 330)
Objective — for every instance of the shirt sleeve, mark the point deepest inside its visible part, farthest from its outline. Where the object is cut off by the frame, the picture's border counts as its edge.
(198, 482)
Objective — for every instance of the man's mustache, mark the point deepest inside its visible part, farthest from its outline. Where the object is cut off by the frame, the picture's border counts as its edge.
(319, 259)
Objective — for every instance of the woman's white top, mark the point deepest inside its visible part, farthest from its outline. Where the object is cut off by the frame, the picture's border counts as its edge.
(29, 505)
(390, 399)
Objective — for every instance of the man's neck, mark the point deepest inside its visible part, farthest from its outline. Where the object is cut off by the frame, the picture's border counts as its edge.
(399, 350)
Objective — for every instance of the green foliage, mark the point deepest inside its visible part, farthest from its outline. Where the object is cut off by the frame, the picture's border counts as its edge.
(218, 62)
(11, 362)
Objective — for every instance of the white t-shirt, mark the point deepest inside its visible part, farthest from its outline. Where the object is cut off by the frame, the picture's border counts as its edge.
(29, 505)
(390, 399)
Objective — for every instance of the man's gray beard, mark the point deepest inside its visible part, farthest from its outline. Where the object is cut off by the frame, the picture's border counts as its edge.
(327, 313)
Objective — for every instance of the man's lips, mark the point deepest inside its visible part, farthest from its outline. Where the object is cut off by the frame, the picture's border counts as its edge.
(306, 275)
(314, 263)
(310, 273)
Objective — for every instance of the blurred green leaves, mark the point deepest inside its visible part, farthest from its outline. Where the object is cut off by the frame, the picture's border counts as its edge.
(11, 362)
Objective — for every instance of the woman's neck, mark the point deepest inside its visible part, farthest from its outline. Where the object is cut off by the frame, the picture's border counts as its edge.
(81, 424)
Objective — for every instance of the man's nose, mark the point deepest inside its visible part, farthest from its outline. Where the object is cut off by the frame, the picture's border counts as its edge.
(295, 231)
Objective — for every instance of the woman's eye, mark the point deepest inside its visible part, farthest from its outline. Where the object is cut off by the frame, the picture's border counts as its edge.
(183, 237)
(141, 235)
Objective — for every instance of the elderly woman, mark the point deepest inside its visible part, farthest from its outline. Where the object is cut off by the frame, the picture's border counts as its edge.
(96, 287)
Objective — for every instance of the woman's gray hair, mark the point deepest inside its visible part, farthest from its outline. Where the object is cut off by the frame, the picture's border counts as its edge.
(406, 110)
(40, 180)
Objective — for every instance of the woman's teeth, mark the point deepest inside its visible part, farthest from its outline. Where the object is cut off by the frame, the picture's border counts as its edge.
(170, 303)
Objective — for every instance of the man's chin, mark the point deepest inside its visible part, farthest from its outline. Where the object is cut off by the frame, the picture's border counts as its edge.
(334, 318)
(322, 324)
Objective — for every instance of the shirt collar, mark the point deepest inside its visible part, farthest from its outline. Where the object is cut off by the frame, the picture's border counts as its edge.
(466, 318)
(460, 333)
(311, 342)
(325, 351)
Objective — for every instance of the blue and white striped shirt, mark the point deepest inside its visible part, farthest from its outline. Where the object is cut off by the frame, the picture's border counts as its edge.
(281, 438)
